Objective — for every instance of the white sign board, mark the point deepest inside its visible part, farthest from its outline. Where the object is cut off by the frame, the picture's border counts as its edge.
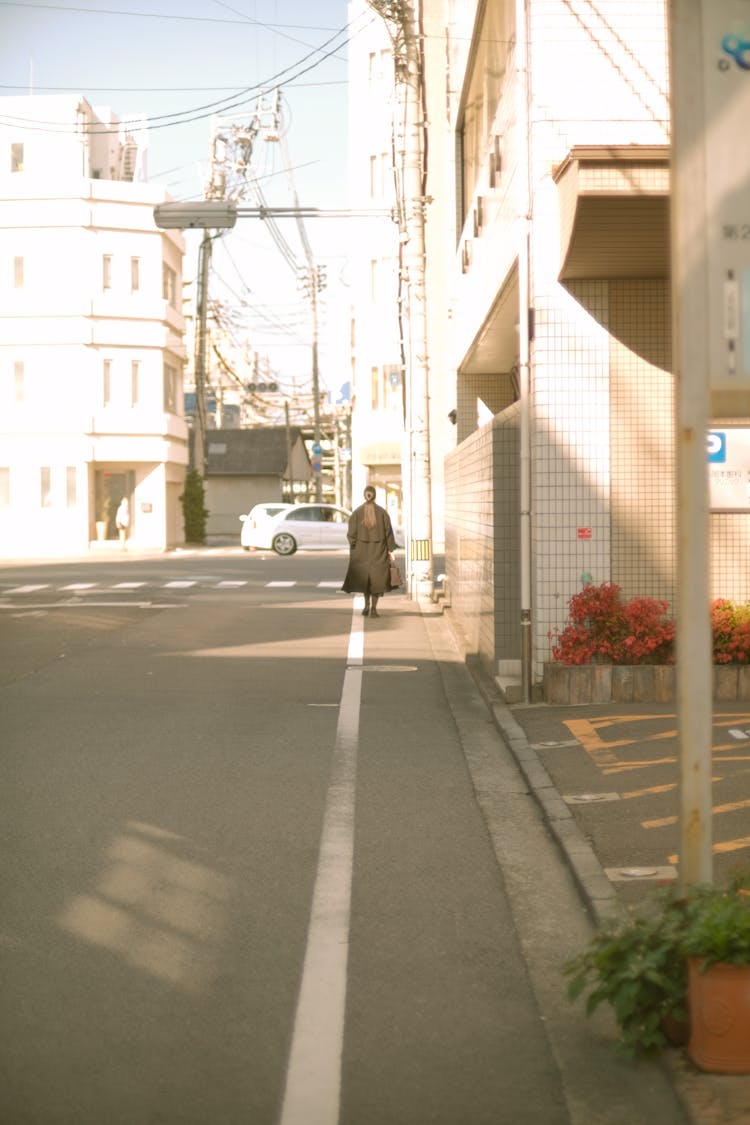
(726, 90)
(729, 469)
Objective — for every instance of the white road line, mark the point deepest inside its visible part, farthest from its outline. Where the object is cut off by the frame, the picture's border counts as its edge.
(127, 585)
(330, 585)
(313, 1080)
(79, 586)
(281, 583)
(27, 589)
(179, 585)
(231, 583)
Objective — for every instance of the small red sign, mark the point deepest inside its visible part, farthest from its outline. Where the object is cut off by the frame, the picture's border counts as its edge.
(584, 532)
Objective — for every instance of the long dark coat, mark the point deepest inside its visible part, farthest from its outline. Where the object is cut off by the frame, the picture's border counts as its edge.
(368, 571)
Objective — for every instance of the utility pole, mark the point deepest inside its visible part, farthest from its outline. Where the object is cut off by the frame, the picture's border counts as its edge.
(403, 20)
(312, 281)
(710, 92)
(199, 441)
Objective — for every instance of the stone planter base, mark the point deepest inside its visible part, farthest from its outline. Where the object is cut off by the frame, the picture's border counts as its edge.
(634, 683)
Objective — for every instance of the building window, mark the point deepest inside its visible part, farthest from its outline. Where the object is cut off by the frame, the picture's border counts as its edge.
(45, 486)
(169, 285)
(392, 396)
(19, 382)
(71, 482)
(135, 274)
(485, 91)
(170, 388)
(16, 158)
(135, 369)
(106, 382)
(4, 486)
(379, 66)
(379, 172)
(375, 387)
(106, 271)
(18, 273)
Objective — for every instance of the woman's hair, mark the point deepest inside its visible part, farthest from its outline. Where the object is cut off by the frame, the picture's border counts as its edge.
(368, 517)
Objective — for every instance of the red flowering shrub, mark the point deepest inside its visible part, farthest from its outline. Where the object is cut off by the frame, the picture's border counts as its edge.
(730, 627)
(603, 628)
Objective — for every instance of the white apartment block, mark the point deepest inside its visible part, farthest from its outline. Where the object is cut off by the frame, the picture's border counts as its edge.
(548, 274)
(91, 334)
(380, 410)
(560, 109)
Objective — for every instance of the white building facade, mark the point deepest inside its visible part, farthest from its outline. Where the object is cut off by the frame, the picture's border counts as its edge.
(382, 349)
(91, 335)
(561, 321)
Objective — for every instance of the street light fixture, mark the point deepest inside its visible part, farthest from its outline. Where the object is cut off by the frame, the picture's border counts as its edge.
(203, 214)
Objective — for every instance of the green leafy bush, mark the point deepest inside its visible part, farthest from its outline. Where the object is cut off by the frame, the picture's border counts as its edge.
(194, 510)
(638, 963)
(635, 965)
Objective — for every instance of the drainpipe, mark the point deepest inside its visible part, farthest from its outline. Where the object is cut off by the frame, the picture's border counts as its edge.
(524, 338)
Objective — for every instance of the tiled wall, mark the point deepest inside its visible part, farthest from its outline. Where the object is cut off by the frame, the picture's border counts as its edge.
(507, 576)
(482, 538)
(730, 555)
(570, 453)
(642, 439)
(495, 392)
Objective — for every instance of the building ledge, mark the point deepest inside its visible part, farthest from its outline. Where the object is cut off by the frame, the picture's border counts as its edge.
(614, 212)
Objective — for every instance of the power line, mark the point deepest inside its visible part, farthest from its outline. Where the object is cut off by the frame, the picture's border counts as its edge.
(163, 16)
(198, 113)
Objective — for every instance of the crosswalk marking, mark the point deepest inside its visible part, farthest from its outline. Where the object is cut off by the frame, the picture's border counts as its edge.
(174, 584)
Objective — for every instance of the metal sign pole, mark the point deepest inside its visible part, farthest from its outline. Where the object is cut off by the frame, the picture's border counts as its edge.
(690, 346)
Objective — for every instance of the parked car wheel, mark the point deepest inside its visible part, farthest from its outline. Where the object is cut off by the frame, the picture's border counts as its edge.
(284, 543)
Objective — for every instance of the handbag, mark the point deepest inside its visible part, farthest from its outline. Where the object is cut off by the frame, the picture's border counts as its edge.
(395, 580)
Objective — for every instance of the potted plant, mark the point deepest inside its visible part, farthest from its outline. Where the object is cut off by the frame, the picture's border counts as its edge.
(679, 962)
(634, 964)
(717, 947)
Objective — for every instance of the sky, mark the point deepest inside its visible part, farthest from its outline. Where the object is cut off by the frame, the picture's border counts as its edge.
(182, 62)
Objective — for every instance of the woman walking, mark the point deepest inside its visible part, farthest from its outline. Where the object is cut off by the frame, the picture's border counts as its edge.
(371, 540)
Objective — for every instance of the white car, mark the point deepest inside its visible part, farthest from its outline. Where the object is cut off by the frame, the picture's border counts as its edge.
(255, 518)
(316, 527)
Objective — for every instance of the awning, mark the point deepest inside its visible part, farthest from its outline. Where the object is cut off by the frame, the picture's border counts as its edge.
(614, 212)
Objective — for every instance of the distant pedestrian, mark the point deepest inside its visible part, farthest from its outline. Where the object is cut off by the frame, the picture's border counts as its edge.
(122, 519)
(371, 542)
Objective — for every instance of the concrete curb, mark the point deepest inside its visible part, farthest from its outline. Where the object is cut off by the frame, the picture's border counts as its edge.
(698, 1097)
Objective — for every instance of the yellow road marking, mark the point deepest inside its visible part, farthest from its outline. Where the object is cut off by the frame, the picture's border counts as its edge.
(717, 810)
(725, 846)
(623, 767)
(652, 789)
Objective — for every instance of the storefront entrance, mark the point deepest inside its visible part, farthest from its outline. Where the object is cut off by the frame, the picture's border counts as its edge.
(109, 489)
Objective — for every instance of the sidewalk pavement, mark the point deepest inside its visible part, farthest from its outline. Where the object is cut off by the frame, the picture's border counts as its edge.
(561, 751)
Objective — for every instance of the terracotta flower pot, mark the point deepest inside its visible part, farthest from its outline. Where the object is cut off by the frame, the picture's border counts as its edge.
(719, 1003)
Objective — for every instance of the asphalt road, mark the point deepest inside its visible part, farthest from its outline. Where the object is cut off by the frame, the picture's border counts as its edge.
(617, 766)
(260, 865)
